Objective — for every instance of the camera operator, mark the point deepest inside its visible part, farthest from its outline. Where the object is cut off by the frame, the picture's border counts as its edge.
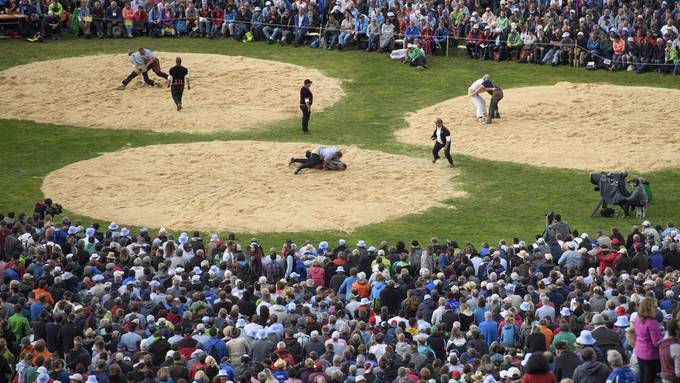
(554, 226)
(638, 198)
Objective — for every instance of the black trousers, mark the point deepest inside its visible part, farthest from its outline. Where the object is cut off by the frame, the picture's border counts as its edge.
(177, 90)
(305, 117)
(648, 370)
(156, 68)
(145, 75)
(447, 151)
(312, 162)
(493, 110)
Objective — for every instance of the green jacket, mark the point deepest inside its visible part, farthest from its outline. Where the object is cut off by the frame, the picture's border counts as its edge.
(671, 55)
(566, 336)
(20, 326)
(514, 40)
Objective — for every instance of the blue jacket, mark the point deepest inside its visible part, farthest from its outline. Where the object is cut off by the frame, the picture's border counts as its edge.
(593, 45)
(215, 347)
(412, 33)
(347, 286)
(361, 26)
(656, 261)
(489, 330)
(441, 35)
(305, 23)
(229, 17)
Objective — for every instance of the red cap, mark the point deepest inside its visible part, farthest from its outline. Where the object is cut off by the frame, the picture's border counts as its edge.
(620, 311)
(455, 375)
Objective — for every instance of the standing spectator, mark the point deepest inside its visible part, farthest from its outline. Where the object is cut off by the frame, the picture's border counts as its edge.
(591, 371)
(538, 370)
(648, 337)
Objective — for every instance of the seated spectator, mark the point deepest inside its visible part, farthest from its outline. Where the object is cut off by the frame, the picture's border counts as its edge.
(387, 31)
(128, 17)
(346, 29)
(300, 26)
(256, 24)
(84, 19)
(373, 33)
(98, 21)
(441, 38)
(114, 21)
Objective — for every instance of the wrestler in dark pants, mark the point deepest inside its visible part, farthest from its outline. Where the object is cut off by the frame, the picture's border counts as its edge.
(496, 97)
(179, 76)
(155, 66)
(311, 162)
(145, 76)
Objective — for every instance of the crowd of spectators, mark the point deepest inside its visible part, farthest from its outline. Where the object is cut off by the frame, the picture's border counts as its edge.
(612, 34)
(92, 304)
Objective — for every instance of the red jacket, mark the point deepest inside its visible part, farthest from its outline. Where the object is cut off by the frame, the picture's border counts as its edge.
(548, 377)
(607, 259)
(318, 275)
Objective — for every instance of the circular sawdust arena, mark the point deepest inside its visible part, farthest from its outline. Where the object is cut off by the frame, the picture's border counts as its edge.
(248, 186)
(227, 93)
(567, 125)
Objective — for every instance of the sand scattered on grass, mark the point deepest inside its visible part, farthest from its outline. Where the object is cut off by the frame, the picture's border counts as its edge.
(568, 125)
(248, 186)
(228, 93)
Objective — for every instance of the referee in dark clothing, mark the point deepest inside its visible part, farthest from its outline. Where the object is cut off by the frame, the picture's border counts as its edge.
(306, 101)
(442, 140)
(179, 75)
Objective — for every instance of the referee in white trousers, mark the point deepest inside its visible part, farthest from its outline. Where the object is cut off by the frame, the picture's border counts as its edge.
(484, 84)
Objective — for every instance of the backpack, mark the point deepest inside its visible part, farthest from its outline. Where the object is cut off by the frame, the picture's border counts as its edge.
(117, 31)
(509, 335)
(301, 269)
(211, 350)
(154, 31)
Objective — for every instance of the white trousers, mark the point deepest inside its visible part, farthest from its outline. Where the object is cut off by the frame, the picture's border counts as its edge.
(479, 104)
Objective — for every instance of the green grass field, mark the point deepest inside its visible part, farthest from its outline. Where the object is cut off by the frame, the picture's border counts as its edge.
(505, 199)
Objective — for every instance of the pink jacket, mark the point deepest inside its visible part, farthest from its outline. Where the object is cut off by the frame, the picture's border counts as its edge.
(318, 275)
(648, 336)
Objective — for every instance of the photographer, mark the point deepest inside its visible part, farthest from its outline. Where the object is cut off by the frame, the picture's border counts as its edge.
(46, 207)
(555, 226)
(638, 198)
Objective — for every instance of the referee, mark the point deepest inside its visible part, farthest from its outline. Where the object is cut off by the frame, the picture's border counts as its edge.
(306, 101)
(442, 140)
(179, 75)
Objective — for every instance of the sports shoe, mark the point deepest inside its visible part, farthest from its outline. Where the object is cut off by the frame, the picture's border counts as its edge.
(179, 107)
(121, 87)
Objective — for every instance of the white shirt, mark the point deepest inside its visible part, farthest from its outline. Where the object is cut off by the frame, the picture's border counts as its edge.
(437, 136)
(473, 90)
(328, 153)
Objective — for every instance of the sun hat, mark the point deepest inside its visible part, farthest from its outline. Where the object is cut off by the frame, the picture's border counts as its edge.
(76, 377)
(513, 372)
(112, 226)
(586, 338)
(622, 321)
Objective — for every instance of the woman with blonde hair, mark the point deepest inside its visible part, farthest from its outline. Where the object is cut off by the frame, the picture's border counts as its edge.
(648, 336)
